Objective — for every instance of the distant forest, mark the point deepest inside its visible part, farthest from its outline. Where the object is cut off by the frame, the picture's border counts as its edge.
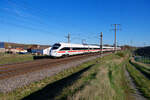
(145, 51)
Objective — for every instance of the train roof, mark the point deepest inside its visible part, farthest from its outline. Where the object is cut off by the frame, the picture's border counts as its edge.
(81, 45)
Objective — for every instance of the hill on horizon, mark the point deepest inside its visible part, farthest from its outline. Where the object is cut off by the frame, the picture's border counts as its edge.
(20, 45)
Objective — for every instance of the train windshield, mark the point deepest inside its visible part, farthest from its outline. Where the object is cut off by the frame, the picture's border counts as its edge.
(55, 46)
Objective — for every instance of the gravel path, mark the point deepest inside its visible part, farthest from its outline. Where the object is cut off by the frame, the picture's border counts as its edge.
(9, 84)
(137, 95)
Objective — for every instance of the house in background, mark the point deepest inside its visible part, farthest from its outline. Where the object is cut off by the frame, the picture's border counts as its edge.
(2, 47)
(15, 48)
(21, 51)
(39, 49)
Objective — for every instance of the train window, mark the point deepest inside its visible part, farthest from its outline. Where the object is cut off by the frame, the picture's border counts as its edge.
(56, 46)
(83, 48)
(86, 48)
(77, 48)
(65, 48)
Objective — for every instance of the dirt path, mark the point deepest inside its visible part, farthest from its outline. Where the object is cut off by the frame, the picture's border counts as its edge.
(137, 95)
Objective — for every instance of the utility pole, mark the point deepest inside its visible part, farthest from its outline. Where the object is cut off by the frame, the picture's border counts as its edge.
(144, 44)
(101, 43)
(115, 29)
(131, 43)
(68, 37)
(83, 41)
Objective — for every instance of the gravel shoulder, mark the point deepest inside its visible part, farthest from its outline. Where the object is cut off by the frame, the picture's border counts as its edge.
(9, 84)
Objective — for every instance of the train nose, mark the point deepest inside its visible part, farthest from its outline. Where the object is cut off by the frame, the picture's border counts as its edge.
(53, 52)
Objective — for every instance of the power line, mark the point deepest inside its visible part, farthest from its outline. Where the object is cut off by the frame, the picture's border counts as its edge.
(25, 5)
(20, 20)
(12, 14)
(23, 12)
(25, 27)
(87, 37)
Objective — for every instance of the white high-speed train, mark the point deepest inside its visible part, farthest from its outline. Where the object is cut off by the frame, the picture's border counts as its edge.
(66, 49)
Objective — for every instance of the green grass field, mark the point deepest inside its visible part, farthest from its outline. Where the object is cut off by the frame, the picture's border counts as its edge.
(14, 58)
(99, 79)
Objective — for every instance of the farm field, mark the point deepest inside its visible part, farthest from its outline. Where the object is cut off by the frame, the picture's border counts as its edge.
(14, 58)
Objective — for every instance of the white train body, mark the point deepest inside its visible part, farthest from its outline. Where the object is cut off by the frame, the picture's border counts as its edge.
(66, 49)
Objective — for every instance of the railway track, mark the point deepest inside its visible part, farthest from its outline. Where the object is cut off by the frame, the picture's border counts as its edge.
(11, 70)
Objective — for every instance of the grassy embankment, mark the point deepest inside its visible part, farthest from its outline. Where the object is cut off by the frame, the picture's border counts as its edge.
(143, 68)
(14, 58)
(103, 80)
(141, 75)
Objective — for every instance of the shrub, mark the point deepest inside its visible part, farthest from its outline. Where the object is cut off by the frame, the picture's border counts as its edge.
(121, 54)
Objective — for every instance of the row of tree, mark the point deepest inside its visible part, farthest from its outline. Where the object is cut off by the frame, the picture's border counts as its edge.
(144, 51)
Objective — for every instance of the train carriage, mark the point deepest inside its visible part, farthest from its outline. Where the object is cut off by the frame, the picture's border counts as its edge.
(66, 49)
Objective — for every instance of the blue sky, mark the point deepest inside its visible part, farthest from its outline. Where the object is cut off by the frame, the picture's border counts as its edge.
(49, 21)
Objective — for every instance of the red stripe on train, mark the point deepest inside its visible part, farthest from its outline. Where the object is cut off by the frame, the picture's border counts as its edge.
(76, 51)
(61, 52)
(81, 51)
